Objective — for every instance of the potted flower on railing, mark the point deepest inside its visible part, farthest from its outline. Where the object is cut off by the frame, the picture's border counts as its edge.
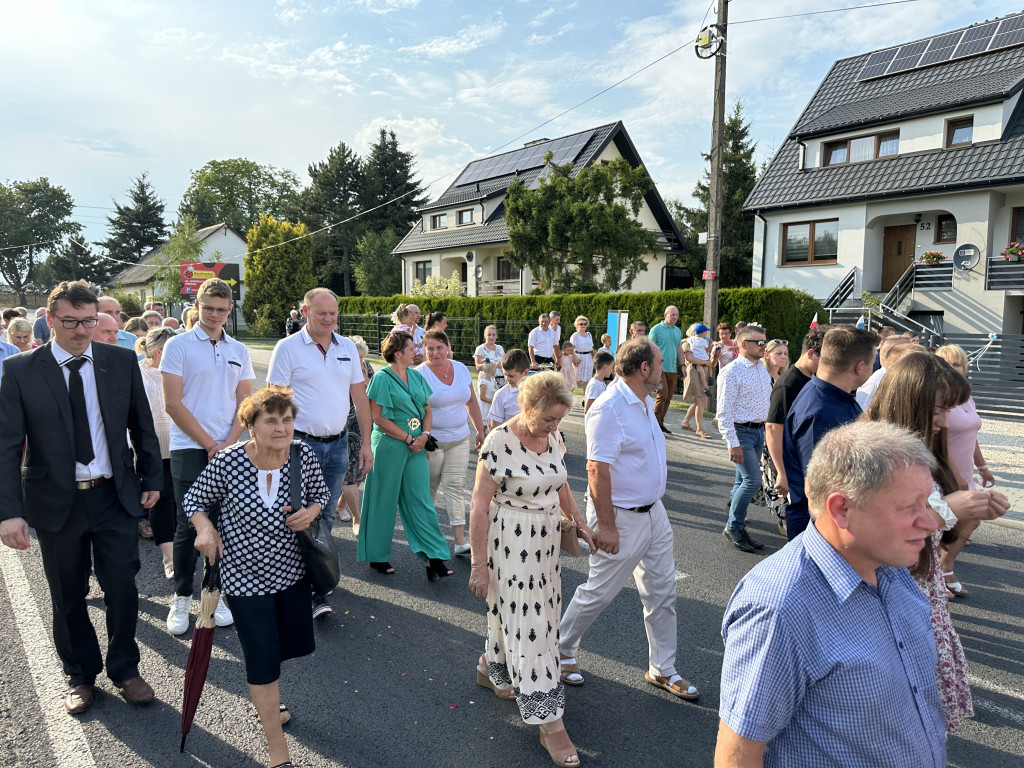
(932, 257)
(1013, 251)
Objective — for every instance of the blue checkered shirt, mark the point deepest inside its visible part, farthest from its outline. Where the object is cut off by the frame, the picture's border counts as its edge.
(829, 670)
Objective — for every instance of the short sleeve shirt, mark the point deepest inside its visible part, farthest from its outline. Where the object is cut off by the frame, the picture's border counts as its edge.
(667, 338)
(489, 355)
(40, 329)
(784, 395)
(504, 405)
(543, 342)
(448, 403)
(594, 389)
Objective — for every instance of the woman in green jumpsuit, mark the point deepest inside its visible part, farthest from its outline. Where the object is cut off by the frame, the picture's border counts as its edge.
(400, 476)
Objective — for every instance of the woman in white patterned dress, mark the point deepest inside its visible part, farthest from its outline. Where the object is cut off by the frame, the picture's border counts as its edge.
(584, 344)
(263, 576)
(514, 533)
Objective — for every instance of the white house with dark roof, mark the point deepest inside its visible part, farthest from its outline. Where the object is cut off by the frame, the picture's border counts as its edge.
(910, 149)
(464, 230)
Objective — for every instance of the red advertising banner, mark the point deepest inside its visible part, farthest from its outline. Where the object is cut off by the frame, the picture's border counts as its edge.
(195, 273)
(709, 274)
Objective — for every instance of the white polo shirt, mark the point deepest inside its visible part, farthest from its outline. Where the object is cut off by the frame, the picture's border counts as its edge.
(320, 378)
(622, 434)
(543, 342)
(210, 374)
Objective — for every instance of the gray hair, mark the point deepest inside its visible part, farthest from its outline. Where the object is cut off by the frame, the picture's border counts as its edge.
(632, 354)
(361, 345)
(859, 459)
(152, 313)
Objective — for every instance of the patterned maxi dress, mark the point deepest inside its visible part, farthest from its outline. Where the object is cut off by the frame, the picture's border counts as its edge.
(524, 594)
(951, 669)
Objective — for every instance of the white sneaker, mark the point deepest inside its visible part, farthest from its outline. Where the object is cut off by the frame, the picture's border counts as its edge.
(222, 616)
(177, 619)
(461, 549)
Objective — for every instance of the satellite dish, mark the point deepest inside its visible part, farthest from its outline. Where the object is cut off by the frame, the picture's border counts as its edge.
(966, 257)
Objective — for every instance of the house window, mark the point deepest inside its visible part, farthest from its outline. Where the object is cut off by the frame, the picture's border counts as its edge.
(1017, 234)
(960, 133)
(464, 217)
(505, 270)
(810, 242)
(439, 221)
(423, 270)
(945, 228)
(861, 148)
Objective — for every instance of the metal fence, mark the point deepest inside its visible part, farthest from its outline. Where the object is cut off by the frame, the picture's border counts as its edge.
(997, 374)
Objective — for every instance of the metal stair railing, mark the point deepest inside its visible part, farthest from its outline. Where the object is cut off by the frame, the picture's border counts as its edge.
(842, 292)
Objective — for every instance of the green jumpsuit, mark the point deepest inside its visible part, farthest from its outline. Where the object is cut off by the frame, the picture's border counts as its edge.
(399, 478)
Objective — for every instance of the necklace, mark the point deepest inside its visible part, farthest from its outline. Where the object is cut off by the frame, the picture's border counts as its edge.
(449, 373)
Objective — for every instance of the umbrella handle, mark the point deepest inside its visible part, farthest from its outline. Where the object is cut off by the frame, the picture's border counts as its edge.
(182, 748)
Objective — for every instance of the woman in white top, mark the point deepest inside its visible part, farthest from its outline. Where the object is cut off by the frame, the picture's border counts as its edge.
(491, 351)
(584, 344)
(163, 516)
(451, 399)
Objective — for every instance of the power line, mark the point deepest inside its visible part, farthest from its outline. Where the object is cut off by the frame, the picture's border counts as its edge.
(818, 13)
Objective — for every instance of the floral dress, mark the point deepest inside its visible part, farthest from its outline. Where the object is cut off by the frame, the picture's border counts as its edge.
(951, 669)
(524, 592)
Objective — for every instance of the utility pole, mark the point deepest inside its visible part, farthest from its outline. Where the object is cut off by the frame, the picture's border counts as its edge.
(714, 260)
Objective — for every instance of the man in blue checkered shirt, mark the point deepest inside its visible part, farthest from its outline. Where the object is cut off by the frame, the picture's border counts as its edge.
(829, 653)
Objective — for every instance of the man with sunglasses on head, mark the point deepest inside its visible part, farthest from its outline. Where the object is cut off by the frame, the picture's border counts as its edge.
(73, 402)
(206, 375)
(744, 395)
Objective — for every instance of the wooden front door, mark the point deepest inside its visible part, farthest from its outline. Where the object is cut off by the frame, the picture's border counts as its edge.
(898, 245)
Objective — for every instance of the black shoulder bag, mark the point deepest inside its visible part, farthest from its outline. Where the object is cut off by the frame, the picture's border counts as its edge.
(323, 563)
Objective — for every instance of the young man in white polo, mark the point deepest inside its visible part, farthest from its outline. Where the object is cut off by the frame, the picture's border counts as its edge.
(205, 374)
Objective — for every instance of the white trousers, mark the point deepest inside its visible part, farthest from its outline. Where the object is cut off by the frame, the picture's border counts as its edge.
(448, 467)
(645, 550)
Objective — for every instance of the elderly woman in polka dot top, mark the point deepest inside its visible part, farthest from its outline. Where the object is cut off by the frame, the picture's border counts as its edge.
(262, 572)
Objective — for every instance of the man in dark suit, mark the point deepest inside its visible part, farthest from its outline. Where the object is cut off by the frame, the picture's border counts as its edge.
(74, 401)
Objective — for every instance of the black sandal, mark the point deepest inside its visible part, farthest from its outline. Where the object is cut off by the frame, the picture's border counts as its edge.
(437, 569)
(385, 568)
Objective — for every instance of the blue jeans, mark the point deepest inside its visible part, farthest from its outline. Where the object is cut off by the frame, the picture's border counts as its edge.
(333, 458)
(748, 476)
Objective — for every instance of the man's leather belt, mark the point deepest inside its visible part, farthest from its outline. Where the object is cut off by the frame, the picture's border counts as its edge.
(750, 424)
(85, 485)
(328, 439)
(641, 510)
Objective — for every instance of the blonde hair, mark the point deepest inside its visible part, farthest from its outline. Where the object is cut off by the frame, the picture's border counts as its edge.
(19, 325)
(489, 368)
(149, 344)
(953, 353)
(542, 391)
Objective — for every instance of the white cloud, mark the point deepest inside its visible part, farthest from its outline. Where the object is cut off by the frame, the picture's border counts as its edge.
(272, 58)
(387, 6)
(539, 19)
(464, 41)
(291, 11)
(176, 36)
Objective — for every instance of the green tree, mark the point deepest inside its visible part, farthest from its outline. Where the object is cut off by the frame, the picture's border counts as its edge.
(379, 271)
(437, 287)
(183, 245)
(137, 227)
(35, 219)
(278, 270)
(579, 233)
(388, 176)
(739, 175)
(331, 198)
(238, 191)
(72, 260)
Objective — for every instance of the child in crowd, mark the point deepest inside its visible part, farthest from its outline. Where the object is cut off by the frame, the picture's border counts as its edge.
(604, 372)
(699, 342)
(485, 388)
(505, 403)
(569, 362)
(606, 342)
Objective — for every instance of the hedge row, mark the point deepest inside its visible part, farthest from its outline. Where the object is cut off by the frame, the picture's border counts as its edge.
(785, 313)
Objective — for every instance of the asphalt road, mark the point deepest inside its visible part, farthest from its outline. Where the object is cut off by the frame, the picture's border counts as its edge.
(392, 680)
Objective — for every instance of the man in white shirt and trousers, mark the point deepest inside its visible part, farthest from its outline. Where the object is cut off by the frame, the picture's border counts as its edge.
(323, 370)
(627, 470)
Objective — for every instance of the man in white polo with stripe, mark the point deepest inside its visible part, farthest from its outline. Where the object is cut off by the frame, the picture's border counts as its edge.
(627, 471)
(324, 371)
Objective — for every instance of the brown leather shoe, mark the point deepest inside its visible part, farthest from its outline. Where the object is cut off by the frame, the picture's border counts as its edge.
(78, 699)
(136, 690)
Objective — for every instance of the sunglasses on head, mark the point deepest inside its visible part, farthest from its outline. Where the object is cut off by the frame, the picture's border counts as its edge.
(780, 342)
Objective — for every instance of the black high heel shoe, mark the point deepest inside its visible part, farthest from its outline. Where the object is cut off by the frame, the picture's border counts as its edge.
(437, 569)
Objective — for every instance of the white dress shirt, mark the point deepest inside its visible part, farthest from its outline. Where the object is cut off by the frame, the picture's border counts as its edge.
(100, 464)
(866, 392)
(744, 394)
(623, 432)
(321, 381)
(210, 374)
(543, 342)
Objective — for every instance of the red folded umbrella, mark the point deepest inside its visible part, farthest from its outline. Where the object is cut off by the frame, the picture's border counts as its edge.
(199, 654)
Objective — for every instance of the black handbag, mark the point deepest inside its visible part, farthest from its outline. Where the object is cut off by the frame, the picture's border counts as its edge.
(323, 563)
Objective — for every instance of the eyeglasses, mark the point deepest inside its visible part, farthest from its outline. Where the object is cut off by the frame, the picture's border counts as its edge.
(71, 323)
(759, 342)
(214, 310)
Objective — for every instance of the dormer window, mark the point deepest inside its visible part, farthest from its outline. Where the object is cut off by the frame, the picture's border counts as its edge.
(861, 148)
(464, 217)
(960, 132)
(439, 221)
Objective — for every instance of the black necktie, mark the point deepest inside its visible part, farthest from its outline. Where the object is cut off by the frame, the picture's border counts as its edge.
(79, 414)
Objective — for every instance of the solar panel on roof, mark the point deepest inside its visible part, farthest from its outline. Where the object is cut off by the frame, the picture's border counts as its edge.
(564, 150)
(941, 48)
(1010, 32)
(976, 40)
(877, 63)
(907, 57)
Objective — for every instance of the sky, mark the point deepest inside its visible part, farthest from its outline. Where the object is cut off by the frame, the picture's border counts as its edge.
(97, 92)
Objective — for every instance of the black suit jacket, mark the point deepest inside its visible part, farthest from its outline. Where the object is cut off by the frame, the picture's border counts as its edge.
(34, 404)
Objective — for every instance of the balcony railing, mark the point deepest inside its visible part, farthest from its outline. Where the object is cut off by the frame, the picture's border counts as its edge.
(933, 277)
(1004, 275)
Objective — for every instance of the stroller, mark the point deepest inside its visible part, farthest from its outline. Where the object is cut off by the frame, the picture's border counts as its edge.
(768, 496)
